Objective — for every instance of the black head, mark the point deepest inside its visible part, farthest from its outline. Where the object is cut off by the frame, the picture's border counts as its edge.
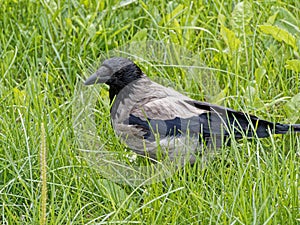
(117, 72)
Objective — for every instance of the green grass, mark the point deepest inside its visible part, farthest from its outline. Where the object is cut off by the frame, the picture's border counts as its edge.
(46, 49)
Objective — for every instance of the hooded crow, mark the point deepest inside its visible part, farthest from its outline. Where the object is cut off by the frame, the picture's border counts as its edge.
(154, 120)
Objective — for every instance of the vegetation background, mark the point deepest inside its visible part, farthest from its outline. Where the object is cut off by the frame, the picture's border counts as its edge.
(46, 46)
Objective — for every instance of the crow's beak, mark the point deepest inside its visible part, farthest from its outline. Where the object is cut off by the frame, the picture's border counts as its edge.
(102, 75)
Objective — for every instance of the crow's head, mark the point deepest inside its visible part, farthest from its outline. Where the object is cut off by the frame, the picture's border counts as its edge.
(117, 72)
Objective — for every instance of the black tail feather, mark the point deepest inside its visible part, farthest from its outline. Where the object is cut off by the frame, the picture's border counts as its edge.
(295, 127)
(284, 128)
(253, 126)
(239, 123)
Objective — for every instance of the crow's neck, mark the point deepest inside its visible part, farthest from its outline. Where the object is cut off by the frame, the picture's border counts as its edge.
(123, 77)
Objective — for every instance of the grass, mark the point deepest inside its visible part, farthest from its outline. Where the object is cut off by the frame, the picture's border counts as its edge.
(46, 49)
